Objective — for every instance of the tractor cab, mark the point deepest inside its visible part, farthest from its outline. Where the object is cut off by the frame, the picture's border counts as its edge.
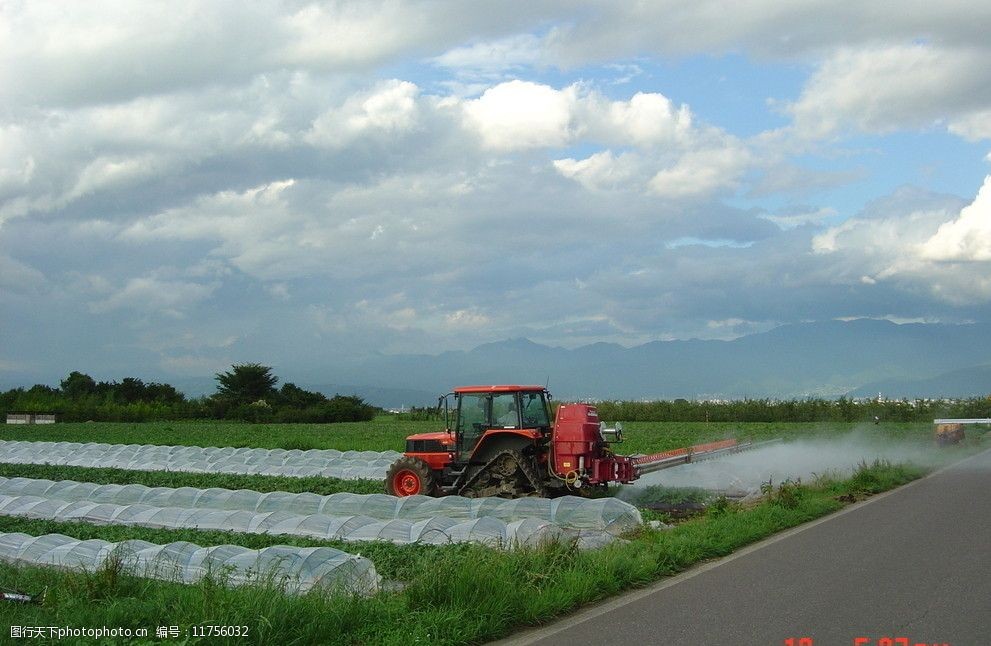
(497, 411)
(495, 429)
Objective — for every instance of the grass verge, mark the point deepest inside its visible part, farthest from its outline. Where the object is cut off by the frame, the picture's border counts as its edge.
(454, 595)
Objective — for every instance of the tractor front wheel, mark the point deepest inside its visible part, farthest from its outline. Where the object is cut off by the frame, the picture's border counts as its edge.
(410, 477)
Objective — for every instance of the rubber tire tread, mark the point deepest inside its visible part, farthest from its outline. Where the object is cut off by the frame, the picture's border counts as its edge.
(418, 466)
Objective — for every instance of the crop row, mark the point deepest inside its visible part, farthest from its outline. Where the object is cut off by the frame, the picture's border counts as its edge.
(104, 475)
(296, 569)
(143, 457)
(606, 513)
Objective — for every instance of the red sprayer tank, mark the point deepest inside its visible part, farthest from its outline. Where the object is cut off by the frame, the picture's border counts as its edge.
(580, 453)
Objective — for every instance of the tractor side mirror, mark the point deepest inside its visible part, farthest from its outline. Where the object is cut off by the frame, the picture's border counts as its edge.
(442, 402)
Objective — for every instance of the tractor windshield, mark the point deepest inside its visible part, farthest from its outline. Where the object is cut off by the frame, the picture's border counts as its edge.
(534, 410)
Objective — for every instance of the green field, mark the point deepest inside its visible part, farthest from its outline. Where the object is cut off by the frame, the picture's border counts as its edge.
(386, 433)
(452, 594)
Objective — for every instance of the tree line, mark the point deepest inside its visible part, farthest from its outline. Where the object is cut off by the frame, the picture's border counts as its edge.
(769, 410)
(795, 410)
(246, 392)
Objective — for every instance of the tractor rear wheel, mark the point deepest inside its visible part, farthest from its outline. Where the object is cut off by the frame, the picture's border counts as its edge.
(410, 477)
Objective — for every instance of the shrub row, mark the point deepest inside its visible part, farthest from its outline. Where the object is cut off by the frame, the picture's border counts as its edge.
(806, 410)
(102, 408)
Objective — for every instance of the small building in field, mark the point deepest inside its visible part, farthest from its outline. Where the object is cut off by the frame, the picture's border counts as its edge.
(30, 418)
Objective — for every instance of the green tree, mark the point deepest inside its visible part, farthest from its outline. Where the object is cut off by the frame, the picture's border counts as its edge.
(77, 385)
(163, 393)
(129, 390)
(295, 397)
(245, 383)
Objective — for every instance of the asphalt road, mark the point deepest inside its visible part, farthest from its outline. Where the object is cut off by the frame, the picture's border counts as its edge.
(914, 563)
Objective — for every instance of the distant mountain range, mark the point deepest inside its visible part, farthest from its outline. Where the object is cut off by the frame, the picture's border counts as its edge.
(967, 382)
(828, 359)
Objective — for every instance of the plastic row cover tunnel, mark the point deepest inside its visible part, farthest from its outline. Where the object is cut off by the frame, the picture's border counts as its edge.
(328, 463)
(609, 514)
(527, 532)
(293, 569)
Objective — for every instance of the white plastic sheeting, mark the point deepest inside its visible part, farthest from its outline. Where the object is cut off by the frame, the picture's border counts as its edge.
(609, 514)
(295, 569)
(527, 532)
(328, 463)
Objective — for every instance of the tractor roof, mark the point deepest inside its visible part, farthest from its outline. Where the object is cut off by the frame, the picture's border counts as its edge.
(498, 389)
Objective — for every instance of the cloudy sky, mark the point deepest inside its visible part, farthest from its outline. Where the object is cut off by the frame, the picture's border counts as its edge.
(185, 185)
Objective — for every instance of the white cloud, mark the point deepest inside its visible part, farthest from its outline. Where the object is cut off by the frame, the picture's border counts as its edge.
(886, 88)
(348, 33)
(149, 140)
(519, 114)
(879, 241)
(99, 54)
(929, 250)
(389, 109)
(602, 170)
(257, 229)
(701, 172)
(967, 238)
(674, 157)
(73, 53)
(625, 72)
(973, 126)
(648, 118)
(492, 58)
(152, 295)
(108, 172)
(801, 217)
(764, 29)
(289, 230)
(84, 53)
(468, 318)
(63, 155)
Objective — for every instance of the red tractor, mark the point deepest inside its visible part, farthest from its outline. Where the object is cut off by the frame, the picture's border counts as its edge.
(505, 443)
